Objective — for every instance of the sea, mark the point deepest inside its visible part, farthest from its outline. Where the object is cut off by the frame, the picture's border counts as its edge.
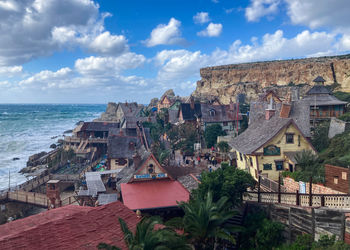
(27, 129)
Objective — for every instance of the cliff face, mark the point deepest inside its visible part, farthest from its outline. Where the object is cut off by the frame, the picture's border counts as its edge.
(227, 81)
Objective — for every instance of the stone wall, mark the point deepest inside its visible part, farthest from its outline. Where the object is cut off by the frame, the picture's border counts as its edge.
(227, 81)
(292, 186)
(337, 127)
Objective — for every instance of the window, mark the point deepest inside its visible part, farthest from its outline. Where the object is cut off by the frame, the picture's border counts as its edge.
(279, 165)
(212, 112)
(336, 179)
(344, 175)
(298, 140)
(251, 161)
(240, 156)
(290, 138)
(267, 166)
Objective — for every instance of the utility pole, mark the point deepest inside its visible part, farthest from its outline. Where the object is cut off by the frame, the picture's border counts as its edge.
(9, 179)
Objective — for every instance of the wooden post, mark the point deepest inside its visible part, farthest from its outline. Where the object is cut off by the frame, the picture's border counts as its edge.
(297, 198)
(310, 192)
(259, 182)
(279, 188)
(322, 201)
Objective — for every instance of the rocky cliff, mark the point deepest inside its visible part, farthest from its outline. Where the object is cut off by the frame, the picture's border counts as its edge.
(227, 81)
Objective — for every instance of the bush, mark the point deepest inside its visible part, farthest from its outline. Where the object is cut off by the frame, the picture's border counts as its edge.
(211, 134)
(320, 139)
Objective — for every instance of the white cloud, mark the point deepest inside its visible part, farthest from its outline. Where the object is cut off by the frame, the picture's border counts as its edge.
(165, 34)
(47, 76)
(106, 43)
(35, 28)
(10, 71)
(320, 13)
(215, 1)
(260, 8)
(213, 29)
(201, 17)
(109, 65)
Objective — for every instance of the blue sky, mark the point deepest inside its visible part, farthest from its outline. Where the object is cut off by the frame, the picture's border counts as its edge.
(85, 51)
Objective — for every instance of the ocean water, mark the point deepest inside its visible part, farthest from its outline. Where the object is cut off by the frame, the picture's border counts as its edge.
(26, 129)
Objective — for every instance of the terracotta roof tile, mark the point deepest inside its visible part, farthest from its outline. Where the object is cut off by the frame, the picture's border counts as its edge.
(69, 227)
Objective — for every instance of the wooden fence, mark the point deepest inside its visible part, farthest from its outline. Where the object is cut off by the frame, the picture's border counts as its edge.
(29, 198)
(37, 199)
(65, 177)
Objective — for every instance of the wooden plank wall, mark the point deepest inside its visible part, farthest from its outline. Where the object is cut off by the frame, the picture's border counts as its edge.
(306, 220)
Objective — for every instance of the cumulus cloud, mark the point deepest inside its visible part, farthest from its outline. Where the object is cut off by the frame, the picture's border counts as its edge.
(320, 13)
(10, 71)
(34, 28)
(47, 77)
(201, 17)
(260, 8)
(109, 65)
(165, 34)
(212, 30)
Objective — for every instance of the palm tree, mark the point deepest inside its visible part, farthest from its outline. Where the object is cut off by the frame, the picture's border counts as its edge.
(147, 237)
(205, 222)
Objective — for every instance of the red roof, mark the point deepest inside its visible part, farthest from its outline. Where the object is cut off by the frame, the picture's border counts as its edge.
(69, 227)
(153, 194)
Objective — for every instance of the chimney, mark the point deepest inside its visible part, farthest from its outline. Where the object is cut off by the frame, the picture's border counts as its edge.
(270, 111)
(192, 102)
(137, 160)
(286, 107)
(295, 94)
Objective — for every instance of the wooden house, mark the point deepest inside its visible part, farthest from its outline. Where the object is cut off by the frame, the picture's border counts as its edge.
(225, 115)
(277, 131)
(323, 105)
(151, 187)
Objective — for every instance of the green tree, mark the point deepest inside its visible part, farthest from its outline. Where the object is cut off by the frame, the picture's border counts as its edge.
(206, 222)
(259, 232)
(320, 139)
(147, 237)
(211, 134)
(223, 146)
(225, 181)
(308, 165)
(183, 137)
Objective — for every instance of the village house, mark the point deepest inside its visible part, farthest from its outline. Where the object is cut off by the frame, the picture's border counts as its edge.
(69, 227)
(323, 105)
(337, 178)
(225, 115)
(277, 131)
(89, 139)
(189, 112)
(148, 186)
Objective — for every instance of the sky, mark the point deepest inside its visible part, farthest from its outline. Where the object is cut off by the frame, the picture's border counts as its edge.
(90, 51)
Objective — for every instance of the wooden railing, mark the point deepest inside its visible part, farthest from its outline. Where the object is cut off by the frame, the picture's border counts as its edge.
(29, 197)
(65, 177)
(270, 185)
(304, 200)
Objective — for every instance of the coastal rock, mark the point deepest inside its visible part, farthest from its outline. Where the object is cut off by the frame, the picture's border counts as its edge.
(15, 159)
(68, 131)
(110, 114)
(60, 141)
(53, 145)
(169, 93)
(34, 159)
(227, 81)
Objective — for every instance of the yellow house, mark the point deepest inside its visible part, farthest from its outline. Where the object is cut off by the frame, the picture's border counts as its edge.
(271, 141)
